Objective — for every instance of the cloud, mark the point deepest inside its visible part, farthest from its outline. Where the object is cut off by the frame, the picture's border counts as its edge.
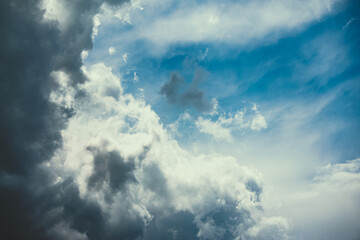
(191, 96)
(111, 169)
(30, 124)
(349, 22)
(318, 204)
(258, 122)
(124, 13)
(125, 57)
(125, 162)
(265, 229)
(330, 199)
(222, 127)
(77, 25)
(215, 129)
(173, 128)
(229, 22)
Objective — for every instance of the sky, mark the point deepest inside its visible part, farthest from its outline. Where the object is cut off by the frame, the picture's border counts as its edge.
(204, 119)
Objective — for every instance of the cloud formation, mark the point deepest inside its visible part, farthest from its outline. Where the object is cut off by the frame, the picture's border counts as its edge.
(125, 162)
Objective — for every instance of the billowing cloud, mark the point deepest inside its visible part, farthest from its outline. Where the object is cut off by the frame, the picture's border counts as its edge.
(174, 92)
(125, 162)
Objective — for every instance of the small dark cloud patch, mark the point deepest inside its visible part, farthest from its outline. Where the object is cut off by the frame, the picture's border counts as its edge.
(176, 91)
(110, 168)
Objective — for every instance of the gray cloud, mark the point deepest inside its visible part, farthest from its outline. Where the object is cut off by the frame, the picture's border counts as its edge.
(180, 225)
(76, 35)
(174, 92)
(30, 49)
(110, 168)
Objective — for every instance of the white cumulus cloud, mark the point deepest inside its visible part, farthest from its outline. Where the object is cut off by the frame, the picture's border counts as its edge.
(122, 158)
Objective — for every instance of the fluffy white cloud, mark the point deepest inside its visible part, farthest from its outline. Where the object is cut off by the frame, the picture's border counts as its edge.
(122, 158)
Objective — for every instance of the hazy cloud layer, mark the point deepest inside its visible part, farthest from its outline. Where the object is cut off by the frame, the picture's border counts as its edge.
(330, 199)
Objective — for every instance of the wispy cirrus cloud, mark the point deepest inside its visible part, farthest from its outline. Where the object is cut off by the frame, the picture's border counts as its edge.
(235, 23)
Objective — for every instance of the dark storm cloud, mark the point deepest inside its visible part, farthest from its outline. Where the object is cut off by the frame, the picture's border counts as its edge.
(30, 49)
(29, 123)
(191, 96)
